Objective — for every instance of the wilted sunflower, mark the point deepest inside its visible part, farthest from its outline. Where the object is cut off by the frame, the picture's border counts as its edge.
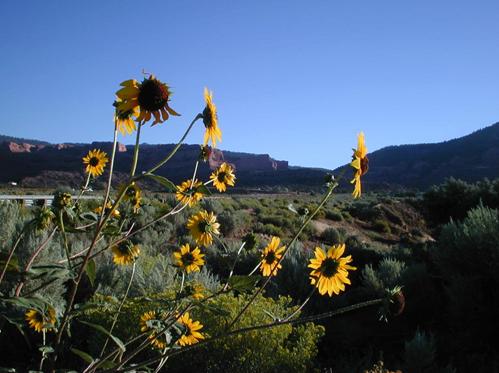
(125, 253)
(360, 163)
(329, 270)
(41, 321)
(271, 255)
(223, 176)
(158, 342)
(188, 195)
(189, 260)
(192, 335)
(109, 206)
(210, 120)
(150, 97)
(124, 119)
(95, 161)
(203, 226)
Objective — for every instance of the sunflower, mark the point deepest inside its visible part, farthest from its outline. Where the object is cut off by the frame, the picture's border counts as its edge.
(187, 194)
(124, 119)
(271, 255)
(223, 176)
(125, 253)
(329, 270)
(95, 161)
(150, 98)
(41, 321)
(134, 195)
(203, 226)
(157, 342)
(196, 290)
(109, 206)
(210, 120)
(190, 260)
(192, 335)
(360, 163)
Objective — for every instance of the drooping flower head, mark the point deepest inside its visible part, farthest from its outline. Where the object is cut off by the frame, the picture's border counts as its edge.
(189, 260)
(329, 270)
(271, 255)
(95, 161)
(125, 253)
(151, 97)
(109, 206)
(192, 334)
(188, 192)
(125, 120)
(223, 176)
(41, 321)
(133, 194)
(210, 120)
(360, 163)
(203, 226)
(158, 341)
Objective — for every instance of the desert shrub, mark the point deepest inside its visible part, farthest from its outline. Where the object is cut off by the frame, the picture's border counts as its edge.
(467, 257)
(382, 226)
(268, 229)
(420, 352)
(363, 211)
(454, 198)
(332, 236)
(285, 348)
(12, 216)
(334, 215)
(387, 275)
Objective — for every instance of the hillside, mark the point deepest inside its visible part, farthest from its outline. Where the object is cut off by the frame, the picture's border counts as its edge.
(469, 158)
(34, 164)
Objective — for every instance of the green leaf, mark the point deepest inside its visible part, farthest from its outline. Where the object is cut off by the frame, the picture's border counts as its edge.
(101, 329)
(27, 303)
(170, 186)
(46, 350)
(90, 216)
(89, 359)
(90, 269)
(244, 283)
(48, 272)
(203, 189)
(13, 263)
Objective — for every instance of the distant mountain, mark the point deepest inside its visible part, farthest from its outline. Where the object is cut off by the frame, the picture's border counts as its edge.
(36, 164)
(19, 140)
(472, 157)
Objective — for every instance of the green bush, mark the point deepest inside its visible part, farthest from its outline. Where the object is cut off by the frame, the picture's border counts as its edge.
(285, 348)
(382, 226)
(467, 257)
(334, 215)
(332, 236)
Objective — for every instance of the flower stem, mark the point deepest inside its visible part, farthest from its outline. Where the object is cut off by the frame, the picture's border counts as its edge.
(174, 150)
(136, 152)
(119, 309)
(305, 223)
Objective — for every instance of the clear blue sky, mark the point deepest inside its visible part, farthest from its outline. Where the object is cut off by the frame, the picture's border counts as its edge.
(295, 79)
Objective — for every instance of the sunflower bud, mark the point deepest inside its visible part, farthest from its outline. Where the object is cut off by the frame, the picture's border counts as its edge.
(205, 153)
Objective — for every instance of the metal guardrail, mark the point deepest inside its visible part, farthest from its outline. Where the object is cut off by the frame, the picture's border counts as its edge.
(29, 200)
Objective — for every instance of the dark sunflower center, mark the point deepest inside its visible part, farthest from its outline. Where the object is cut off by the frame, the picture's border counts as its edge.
(329, 267)
(124, 248)
(270, 257)
(221, 176)
(187, 259)
(207, 117)
(94, 161)
(203, 226)
(153, 95)
(39, 317)
(364, 165)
